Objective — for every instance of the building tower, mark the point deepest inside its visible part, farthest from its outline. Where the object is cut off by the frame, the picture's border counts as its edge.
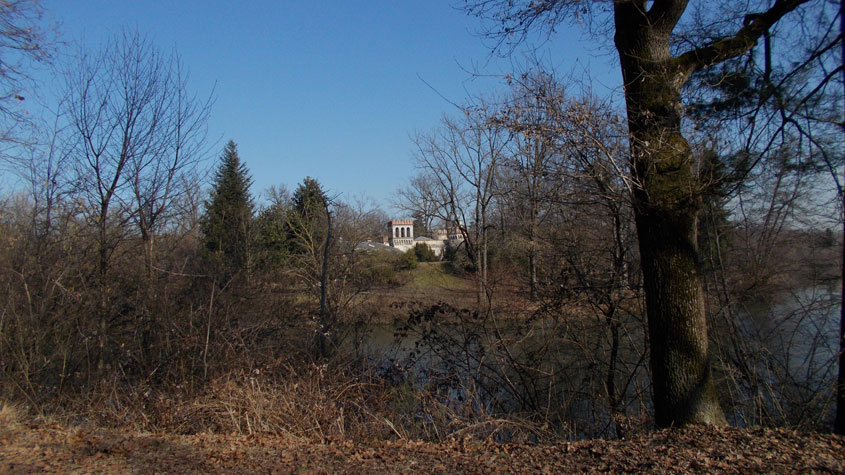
(401, 232)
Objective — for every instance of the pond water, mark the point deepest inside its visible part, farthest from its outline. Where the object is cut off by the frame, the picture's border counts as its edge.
(561, 368)
(549, 368)
(793, 348)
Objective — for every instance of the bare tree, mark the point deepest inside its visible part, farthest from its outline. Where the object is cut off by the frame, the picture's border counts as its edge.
(532, 189)
(140, 136)
(592, 147)
(419, 198)
(461, 160)
(779, 102)
(840, 380)
(167, 169)
(596, 145)
(23, 41)
(45, 167)
(355, 221)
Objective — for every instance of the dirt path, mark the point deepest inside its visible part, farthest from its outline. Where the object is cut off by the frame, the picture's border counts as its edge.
(28, 448)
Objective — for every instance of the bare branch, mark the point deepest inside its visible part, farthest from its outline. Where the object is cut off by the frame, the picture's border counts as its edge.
(756, 25)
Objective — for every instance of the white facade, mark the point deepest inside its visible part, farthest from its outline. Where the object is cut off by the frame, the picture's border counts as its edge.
(401, 236)
(401, 233)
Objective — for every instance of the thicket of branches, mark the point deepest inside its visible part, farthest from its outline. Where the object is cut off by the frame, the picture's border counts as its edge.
(123, 275)
(540, 183)
(129, 286)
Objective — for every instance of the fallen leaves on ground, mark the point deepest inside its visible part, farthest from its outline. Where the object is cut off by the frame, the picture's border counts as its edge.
(40, 447)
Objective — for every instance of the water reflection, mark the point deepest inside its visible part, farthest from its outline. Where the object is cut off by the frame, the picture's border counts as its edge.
(776, 368)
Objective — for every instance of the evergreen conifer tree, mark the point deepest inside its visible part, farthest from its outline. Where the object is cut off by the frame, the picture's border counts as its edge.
(271, 236)
(228, 213)
(307, 218)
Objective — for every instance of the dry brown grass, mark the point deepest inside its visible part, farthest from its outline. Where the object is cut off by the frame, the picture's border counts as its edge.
(10, 414)
(307, 401)
(338, 401)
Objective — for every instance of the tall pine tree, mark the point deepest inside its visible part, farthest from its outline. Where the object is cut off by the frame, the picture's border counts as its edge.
(307, 218)
(228, 214)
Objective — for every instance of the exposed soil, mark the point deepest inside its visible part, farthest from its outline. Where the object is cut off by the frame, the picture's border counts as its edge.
(39, 447)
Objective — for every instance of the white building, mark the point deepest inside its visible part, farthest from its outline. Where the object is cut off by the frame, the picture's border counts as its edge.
(401, 233)
(401, 236)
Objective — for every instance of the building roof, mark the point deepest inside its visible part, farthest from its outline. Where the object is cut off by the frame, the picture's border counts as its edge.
(394, 222)
(369, 246)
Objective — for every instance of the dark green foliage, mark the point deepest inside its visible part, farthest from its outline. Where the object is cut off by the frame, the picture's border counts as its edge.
(419, 224)
(827, 241)
(306, 227)
(378, 269)
(450, 254)
(228, 213)
(271, 246)
(457, 261)
(424, 253)
(737, 86)
(408, 260)
(309, 197)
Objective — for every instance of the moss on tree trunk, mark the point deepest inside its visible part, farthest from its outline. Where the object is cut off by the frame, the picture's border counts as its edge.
(665, 207)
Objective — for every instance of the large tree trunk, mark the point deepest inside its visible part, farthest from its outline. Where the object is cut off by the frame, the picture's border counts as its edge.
(665, 207)
(839, 424)
(682, 381)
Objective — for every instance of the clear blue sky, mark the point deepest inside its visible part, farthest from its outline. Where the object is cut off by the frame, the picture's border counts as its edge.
(328, 89)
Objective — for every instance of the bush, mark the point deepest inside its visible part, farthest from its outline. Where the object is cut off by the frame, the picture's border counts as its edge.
(424, 253)
(457, 261)
(376, 271)
(407, 261)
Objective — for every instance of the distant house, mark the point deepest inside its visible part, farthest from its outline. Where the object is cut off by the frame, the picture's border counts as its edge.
(401, 236)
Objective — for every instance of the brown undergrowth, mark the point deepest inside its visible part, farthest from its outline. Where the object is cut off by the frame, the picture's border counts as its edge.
(342, 399)
(43, 447)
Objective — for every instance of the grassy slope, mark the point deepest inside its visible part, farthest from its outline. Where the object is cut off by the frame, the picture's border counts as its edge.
(429, 283)
(432, 276)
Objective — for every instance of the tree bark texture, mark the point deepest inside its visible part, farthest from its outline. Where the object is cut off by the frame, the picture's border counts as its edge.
(839, 424)
(665, 207)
